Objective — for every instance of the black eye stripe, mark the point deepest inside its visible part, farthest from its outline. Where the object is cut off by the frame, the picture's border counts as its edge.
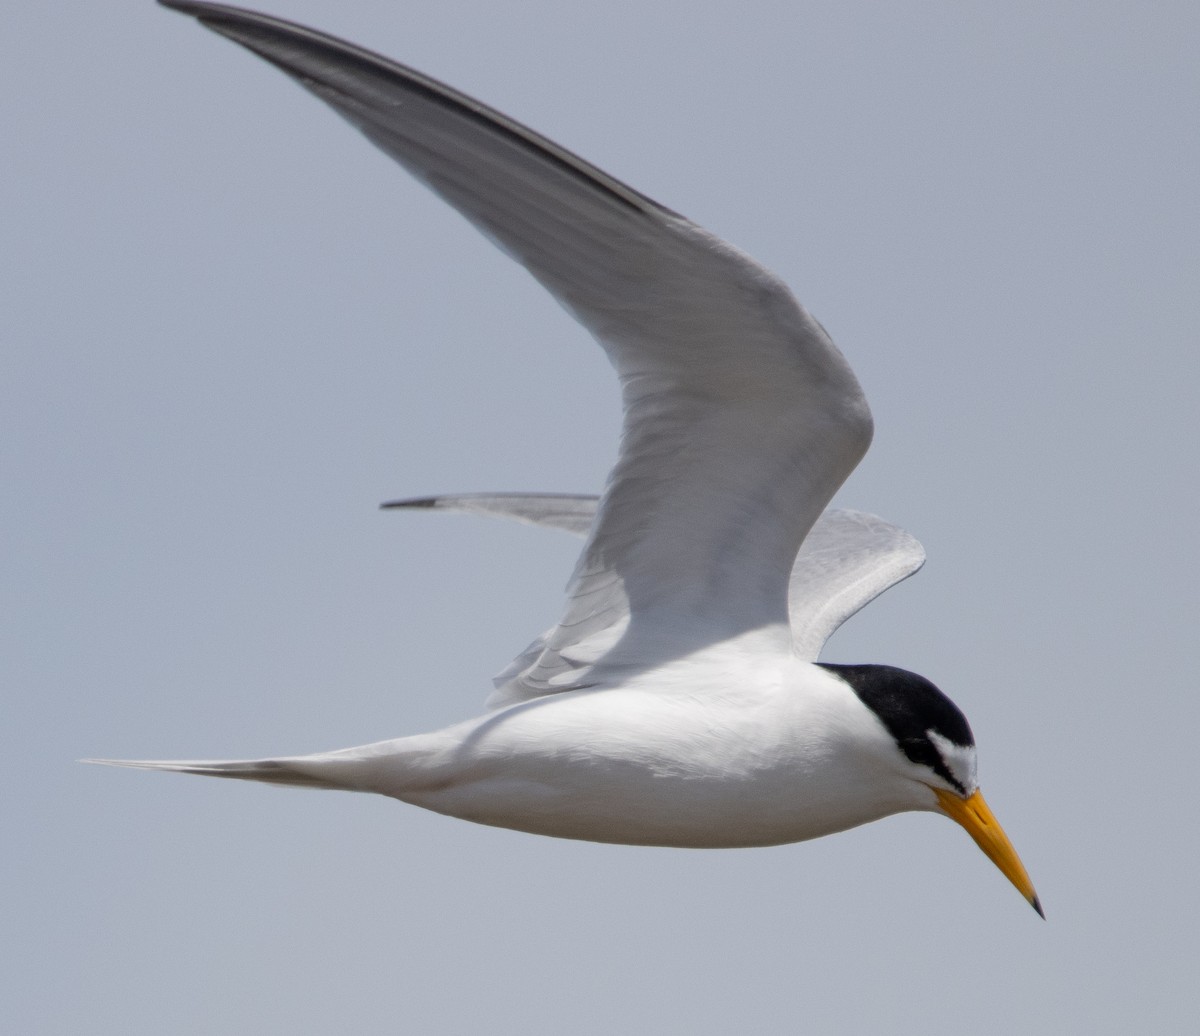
(925, 753)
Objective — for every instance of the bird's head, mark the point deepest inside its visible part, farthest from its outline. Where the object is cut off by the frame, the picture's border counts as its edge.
(936, 748)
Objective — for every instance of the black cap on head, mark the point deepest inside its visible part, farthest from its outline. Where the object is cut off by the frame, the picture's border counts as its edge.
(909, 706)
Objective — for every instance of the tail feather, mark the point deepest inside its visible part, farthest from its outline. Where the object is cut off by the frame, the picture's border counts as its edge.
(296, 772)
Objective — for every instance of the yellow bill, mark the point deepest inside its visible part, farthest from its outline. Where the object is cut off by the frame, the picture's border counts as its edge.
(973, 814)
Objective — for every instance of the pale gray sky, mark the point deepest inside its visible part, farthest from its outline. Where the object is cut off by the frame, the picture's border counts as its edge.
(231, 328)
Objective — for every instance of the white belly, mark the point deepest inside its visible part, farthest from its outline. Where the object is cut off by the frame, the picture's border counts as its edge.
(646, 769)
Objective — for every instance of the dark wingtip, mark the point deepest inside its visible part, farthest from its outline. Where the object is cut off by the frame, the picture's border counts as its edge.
(417, 501)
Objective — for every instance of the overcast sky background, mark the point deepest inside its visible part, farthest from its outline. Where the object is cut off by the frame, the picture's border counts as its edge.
(231, 328)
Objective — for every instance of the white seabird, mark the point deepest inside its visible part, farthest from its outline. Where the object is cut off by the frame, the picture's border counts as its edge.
(679, 700)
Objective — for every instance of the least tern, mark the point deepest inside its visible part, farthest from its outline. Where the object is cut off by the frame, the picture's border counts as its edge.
(679, 700)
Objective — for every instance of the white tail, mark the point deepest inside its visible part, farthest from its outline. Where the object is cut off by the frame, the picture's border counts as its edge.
(300, 771)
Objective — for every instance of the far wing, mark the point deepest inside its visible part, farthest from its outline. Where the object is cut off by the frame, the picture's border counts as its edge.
(568, 512)
(847, 560)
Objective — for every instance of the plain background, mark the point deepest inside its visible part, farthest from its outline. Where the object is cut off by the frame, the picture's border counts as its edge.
(231, 328)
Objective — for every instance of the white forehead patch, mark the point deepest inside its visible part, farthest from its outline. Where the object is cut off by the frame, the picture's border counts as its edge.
(960, 760)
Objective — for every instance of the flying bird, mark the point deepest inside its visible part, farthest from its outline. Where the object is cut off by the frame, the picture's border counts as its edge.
(679, 700)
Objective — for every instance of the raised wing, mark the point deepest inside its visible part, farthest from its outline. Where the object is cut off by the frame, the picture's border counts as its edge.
(847, 560)
(741, 417)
